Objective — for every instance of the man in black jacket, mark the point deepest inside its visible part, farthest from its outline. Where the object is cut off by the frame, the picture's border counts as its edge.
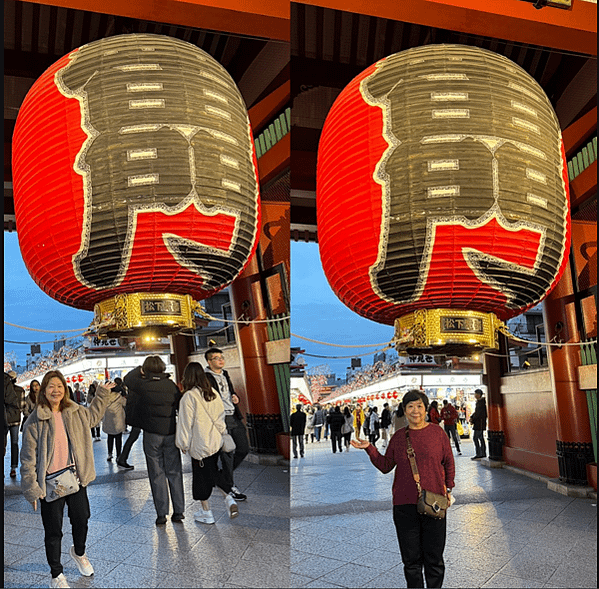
(297, 421)
(479, 424)
(221, 382)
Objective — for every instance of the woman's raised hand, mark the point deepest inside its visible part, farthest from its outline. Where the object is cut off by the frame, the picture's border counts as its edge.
(359, 443)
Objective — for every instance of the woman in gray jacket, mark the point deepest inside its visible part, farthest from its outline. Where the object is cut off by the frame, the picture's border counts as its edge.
(56, 435)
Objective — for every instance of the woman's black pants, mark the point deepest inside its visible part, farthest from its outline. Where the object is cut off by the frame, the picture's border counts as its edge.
(421, 543)
(52, 513)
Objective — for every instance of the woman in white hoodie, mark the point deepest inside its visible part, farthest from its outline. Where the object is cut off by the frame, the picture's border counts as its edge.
(200, 428)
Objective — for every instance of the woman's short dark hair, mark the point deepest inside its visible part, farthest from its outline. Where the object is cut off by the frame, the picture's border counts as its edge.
(346, 411)
(414, 395)
(194, 376)
(153, 364)
(41, 396)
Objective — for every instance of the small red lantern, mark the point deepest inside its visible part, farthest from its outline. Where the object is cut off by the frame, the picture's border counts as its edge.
(135, 181)
(80, 378)
(445, 165)
(395, 395)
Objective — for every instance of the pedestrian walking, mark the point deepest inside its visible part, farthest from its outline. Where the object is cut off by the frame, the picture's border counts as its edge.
(30, 401)
(158, 402)
(385, 424)
(336, 422)
(113, 423)
(310, 425)
(318, 422)
(366, 423)
(479, 424)
(91, 393)
(297, 422)
(433, 413)
(221, 382)
(347, 428)
(450, 417)
(421, 538)
(55, 437)
(14, 403)
(200, 431)
(374, 426)
(359, 419)
(131, 418)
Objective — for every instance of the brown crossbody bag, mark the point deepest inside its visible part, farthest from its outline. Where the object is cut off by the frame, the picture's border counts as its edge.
(429, 503)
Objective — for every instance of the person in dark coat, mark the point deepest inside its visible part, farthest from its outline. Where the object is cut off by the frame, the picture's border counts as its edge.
(298, 427)
(12, 415)
(336, 422)
(158, 402)
(479, 424)
(132, 419)
(14, 403)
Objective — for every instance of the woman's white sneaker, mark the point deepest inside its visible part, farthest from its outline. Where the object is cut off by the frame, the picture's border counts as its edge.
(231, 506)
(82, 562)
(60, 581)
(204, 516)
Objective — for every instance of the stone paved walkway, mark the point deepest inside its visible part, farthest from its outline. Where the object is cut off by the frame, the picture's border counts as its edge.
(505, 529)
(127, 549)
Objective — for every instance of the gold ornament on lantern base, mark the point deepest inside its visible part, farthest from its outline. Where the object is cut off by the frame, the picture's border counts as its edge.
(126, 314)
(446, 332)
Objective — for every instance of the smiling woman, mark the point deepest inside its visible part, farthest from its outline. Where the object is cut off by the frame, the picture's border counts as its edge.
(421, 538)
(57, 438)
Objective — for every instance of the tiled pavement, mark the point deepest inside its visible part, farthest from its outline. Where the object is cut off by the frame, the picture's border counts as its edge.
(505, 529)
(127, 549)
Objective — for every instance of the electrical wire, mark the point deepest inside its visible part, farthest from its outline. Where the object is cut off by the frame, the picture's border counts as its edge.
(314, 341)
(41, 330)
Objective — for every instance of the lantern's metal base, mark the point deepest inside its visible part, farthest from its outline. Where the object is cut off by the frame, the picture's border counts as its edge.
(128, 314)
(452, 332)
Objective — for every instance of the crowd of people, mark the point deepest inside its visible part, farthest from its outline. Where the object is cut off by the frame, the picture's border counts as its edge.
(366, 376)
(200, 417)
(51, 360)
(420, 454)
(321, 422)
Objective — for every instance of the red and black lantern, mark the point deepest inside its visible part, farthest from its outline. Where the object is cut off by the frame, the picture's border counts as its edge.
(135, 180)
(442, 196)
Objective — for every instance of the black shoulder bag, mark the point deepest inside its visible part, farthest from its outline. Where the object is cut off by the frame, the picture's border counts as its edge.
(429, 503)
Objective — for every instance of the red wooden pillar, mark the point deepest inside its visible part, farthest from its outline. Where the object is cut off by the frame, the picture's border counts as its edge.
(256, 296)
(573, 431)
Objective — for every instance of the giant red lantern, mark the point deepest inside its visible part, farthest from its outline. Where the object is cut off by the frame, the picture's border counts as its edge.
(442, 196)
(135, 180)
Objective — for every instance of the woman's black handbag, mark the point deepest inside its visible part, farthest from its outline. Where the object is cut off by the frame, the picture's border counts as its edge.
(429, 503)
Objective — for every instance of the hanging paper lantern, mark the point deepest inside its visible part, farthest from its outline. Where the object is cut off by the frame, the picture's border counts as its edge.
(135, 180)
(442, 196)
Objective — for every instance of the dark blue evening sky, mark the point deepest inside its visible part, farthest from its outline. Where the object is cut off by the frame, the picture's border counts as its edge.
(316, 311)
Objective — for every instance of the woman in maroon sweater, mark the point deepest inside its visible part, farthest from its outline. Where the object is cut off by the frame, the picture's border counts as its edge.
(421, 538)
